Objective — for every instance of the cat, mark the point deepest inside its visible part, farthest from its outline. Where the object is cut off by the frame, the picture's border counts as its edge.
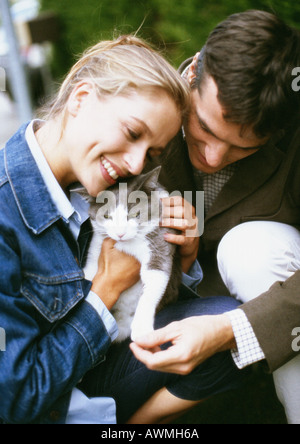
(135, 227)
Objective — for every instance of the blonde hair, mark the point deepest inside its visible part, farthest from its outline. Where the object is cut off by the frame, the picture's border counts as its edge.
(119, 66)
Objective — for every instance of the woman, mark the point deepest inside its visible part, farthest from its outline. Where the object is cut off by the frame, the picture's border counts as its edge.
(119, 104)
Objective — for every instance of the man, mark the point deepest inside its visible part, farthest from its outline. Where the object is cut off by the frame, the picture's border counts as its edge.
(241, 146)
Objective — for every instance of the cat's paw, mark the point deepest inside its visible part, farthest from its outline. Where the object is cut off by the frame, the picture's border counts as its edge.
(139, 329)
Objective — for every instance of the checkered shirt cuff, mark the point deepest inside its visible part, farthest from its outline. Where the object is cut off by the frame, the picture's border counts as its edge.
(248, 349)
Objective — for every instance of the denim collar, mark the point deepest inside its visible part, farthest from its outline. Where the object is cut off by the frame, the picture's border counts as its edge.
(56, 192)
(30, 192)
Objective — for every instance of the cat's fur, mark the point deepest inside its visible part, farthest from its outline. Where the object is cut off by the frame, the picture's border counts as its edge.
(160, 262)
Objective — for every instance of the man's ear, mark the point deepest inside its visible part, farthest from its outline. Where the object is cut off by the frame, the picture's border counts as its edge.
(78, 96)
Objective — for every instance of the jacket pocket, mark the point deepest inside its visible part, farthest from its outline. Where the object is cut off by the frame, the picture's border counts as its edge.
(54, 297)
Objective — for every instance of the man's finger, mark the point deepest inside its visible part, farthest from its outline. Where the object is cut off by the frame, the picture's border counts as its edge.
(172, 201)
(157, 337)
(178, 224)
(162, 360)
(176, 239)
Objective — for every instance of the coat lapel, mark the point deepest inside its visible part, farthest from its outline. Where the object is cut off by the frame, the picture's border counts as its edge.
(252, 173)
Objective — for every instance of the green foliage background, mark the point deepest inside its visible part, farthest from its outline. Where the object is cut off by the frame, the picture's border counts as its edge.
(178, 26)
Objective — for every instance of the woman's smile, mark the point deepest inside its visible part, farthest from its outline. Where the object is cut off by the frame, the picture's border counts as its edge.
(110, 174)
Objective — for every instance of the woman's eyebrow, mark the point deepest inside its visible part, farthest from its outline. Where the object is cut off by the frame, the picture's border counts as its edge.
(147, 130)
(142, 123)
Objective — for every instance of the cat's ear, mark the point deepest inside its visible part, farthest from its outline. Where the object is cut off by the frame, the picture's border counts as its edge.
(150, 180)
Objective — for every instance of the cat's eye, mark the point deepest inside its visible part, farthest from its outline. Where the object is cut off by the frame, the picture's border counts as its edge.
(106, 216)
(134, 215)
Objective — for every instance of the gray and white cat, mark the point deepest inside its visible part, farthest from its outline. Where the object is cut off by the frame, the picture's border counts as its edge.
(133, 221)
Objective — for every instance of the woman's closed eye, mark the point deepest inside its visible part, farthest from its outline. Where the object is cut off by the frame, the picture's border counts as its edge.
(134, 135)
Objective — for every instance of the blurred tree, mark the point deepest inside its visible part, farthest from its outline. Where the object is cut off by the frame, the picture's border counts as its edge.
(179, 27)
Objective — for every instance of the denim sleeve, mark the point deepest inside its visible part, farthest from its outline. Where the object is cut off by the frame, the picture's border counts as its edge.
(194, 277)
(106, 316)
(41, 361)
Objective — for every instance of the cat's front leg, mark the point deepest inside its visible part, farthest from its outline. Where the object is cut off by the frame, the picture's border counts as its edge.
(154, 286)
(90, 269)
(91, 265)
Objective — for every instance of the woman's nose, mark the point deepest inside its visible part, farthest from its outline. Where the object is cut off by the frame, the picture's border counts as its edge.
(135, 162)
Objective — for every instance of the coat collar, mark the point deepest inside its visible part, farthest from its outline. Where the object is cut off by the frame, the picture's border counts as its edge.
(29, 190)
(251, 174)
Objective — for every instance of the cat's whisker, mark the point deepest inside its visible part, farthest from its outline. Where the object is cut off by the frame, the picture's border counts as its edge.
(99, 230)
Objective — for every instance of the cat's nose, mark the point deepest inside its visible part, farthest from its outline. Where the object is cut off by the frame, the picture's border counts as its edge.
(121, 235)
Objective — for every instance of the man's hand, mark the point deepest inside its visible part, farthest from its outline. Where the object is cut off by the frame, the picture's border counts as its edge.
(117, 272)
(181, 215)
(193, 341)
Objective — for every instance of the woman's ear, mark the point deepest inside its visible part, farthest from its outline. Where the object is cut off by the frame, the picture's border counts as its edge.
(78, 97)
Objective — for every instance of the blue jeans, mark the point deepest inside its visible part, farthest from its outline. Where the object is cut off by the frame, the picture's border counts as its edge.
(131, 384)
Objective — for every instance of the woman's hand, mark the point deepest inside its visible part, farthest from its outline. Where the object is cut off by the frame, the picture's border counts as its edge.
(193, 341)
(117, 271)
(181, 215)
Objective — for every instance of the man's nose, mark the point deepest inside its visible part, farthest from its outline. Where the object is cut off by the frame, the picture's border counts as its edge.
(215, 154)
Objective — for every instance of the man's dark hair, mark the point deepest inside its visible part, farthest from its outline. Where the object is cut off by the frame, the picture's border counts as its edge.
(251, 56)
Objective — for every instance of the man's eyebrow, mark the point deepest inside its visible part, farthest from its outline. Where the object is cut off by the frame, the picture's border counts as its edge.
(204, 125)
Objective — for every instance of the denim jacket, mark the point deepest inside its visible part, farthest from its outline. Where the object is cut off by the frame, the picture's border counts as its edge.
(53, 336)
